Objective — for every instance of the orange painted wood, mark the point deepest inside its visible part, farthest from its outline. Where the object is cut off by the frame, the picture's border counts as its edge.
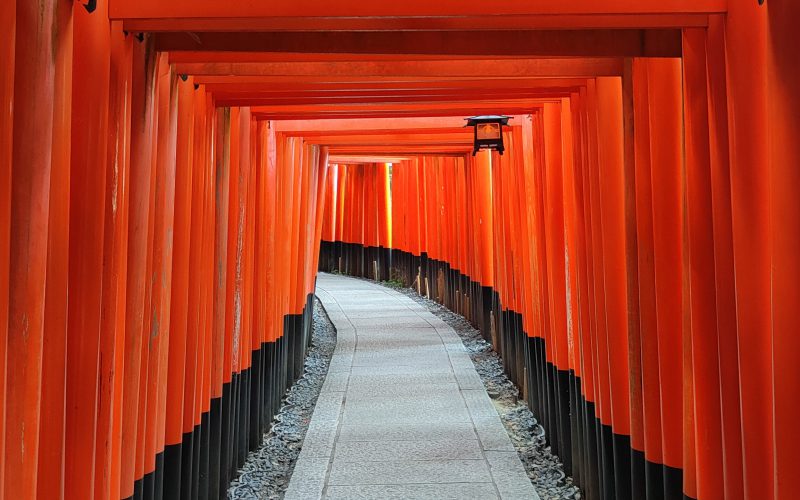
(351, 8)
(331, 203)
(295, 181)
(243, 266)
(261, 259)
(537, 42)
(554, 234)
(232, 284)
(34, 74)
(7, 39)
(220, 369)
(161, 277)
(783, 106)
(50, 470)
(745, 40)
(610, 157)
(144, 444)
(139, 238)
(651, 393)
(270, 228)
(574, 193)
(701, 273)
(570, 234)
(115, 265)
(438, 70)
(600, 358)
(641, 227)
(727, 343)
(182, 241)
(492, 22)
(319, 177)
(582, 163)
(211, 386)
(667, 214)
(484, 203)
(533, 317)
(303, 226)
(91, 78)
(148, 383)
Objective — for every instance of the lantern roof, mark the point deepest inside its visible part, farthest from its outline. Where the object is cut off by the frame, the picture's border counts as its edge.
(502, 119)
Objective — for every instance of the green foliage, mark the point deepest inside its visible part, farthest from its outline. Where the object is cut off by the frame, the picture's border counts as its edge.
(396, 279)
(393, 283)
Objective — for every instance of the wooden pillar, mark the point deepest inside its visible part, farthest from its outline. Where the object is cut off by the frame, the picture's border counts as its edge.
(7, 38)
(115, 265)
(727, 334)
(32, 137)
(139, 237)
(667, 214)
(51, 463)
(707, 422)
(161, 277)
(748, 127)
(87, 225)
(183, 240)
(612, 202)
(783, 106)
(651, 392)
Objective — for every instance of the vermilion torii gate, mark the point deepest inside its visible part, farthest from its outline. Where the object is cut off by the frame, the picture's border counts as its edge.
(167, 177)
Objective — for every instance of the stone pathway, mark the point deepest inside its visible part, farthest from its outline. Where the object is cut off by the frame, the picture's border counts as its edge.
(402, 414)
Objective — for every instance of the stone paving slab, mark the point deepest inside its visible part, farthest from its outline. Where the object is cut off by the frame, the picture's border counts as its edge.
(370, 391)
(464, 491)
(410, 472)
(386, 451)
(384, 432)
(402, 414)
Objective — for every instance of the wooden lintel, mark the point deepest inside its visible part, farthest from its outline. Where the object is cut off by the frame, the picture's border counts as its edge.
(535, 43)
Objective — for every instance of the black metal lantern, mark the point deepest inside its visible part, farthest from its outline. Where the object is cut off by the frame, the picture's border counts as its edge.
(488, 132)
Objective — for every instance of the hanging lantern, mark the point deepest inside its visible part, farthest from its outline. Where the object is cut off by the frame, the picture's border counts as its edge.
(488, 132)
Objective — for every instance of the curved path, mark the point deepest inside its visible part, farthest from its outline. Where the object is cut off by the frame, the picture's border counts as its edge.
(403, 414)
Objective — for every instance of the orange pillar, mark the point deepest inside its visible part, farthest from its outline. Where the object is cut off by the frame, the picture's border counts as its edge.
(231, 290)
(30, 197)
(783, 106)
(161, 278)
(183, 239)
(139, 237)
(50, 469)
(651, 391)
(220, 376)
(112, 329)
(384, 207)
(667, 214)
(483, 183)
(745, 42)
(701, 272)
(554, 233)
(87, 238)
(7, 36)
(321, 201)
(612, 201)
(727, 342)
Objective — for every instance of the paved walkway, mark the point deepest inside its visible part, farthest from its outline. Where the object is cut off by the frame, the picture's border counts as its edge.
(402, 414)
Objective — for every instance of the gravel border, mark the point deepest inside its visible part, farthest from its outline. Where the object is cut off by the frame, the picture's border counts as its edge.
(544, 469)
(266, 473)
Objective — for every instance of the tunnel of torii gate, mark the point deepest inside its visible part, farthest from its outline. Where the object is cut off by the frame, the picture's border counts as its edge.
(174, 174)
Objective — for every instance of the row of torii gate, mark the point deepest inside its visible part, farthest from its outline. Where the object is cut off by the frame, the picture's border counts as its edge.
(166, 189)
